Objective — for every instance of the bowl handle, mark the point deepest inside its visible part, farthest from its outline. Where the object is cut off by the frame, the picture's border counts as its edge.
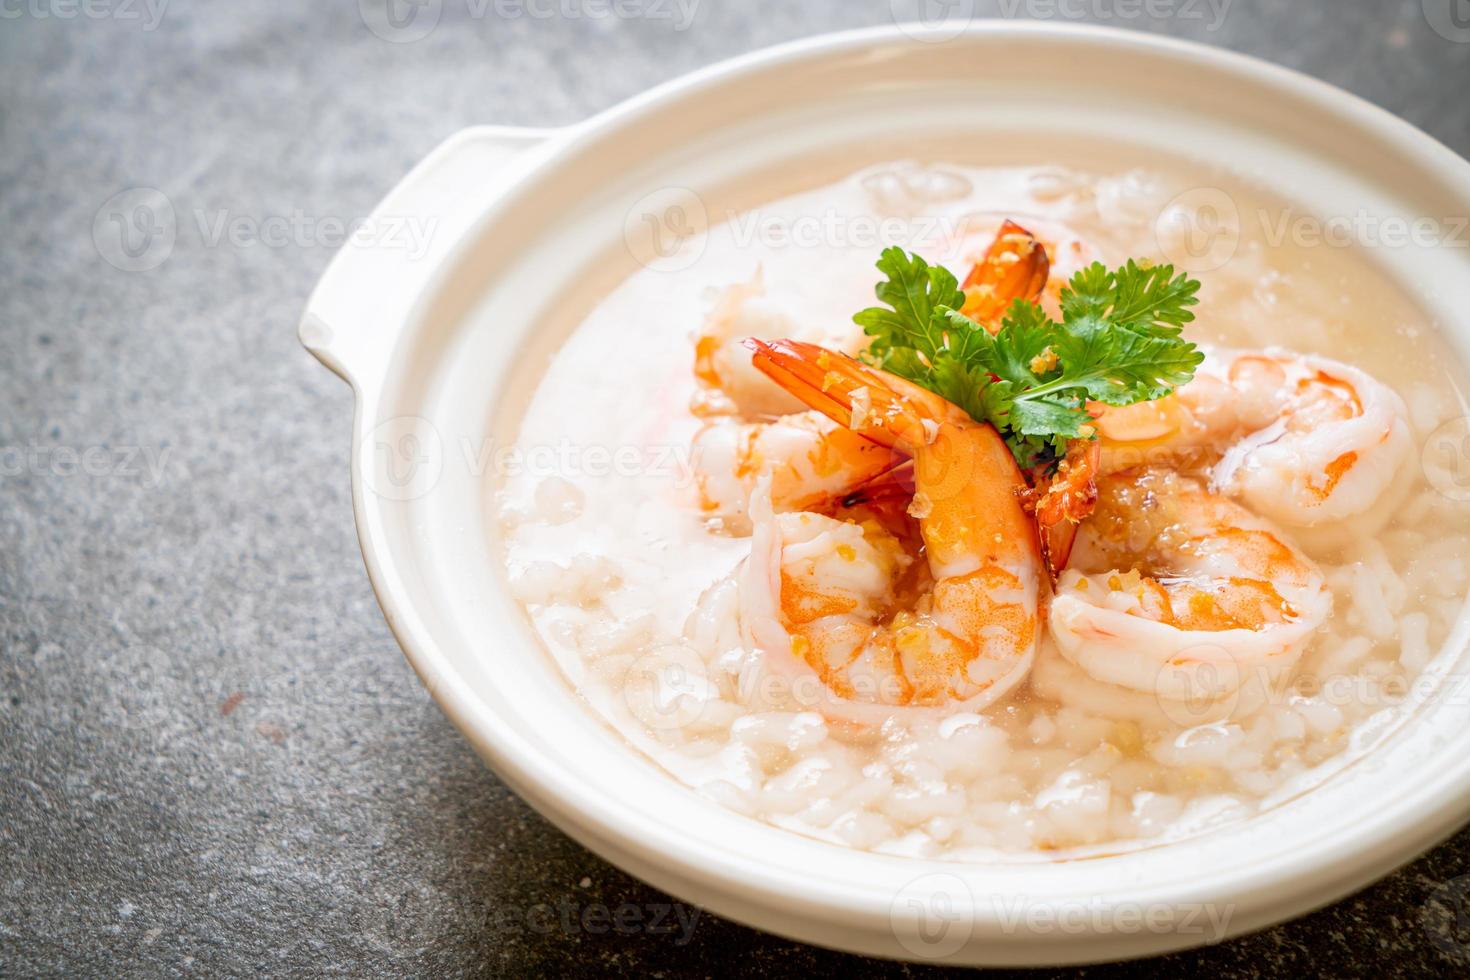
(354, 315)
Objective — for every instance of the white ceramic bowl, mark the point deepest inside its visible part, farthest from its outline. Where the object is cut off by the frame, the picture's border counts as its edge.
(441, 328)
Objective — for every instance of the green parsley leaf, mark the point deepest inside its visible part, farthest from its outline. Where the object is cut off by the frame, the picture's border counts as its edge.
(913, 291)
(1119, 367)
(1143, 299)
(1119, 343)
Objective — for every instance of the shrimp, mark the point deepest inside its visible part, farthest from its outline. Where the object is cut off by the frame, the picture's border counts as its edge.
(1064, 499)
(1303, 440)
(852, 603)
(1034, 262)
(809, 459)
(728, 384)
(1015, 266)
(1180, 592)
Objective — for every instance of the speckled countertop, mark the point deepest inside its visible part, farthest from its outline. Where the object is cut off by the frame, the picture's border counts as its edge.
(213, 757)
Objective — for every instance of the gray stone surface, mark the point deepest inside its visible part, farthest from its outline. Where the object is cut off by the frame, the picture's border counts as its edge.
(213, 758)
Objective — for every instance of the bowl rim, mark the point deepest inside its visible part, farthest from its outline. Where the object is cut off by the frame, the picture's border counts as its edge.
(1310, 877)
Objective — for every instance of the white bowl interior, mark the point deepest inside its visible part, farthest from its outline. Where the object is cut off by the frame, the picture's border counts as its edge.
(469, 359)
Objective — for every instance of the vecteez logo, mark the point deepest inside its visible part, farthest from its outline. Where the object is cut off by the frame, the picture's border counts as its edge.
(1445, 458)
(1199, 230)
(1445, 917)
(402, 458)
(406, 21)
(147, 13)
(933, 916)
(936, 20)
(401, 21)
(664, 229)
(135, 229)
(1450, 19)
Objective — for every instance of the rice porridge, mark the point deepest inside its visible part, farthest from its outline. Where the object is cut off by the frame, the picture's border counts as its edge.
(633, 578)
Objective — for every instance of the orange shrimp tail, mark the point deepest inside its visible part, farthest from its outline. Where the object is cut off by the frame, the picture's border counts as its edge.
(846, 391)
(1066, 499)
(1015, 266)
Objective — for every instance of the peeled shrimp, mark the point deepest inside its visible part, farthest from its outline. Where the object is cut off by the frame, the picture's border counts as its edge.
(1183, 593)
(809, 460)
(728, 384)
(1302, 439)
(879, 625)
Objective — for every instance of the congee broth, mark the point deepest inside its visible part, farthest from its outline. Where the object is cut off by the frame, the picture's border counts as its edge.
(1104, 522)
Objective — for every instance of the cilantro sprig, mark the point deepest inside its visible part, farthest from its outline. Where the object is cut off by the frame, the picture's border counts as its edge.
(1119, 342)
